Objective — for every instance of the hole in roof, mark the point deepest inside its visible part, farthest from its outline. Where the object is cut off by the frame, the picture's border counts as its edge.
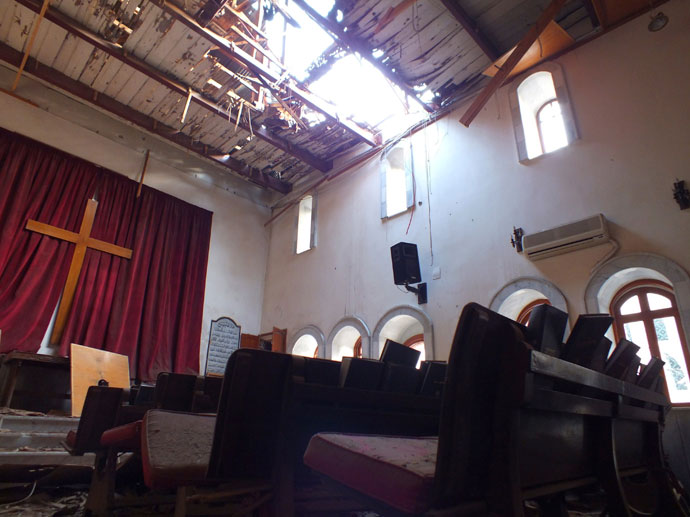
(352, 84)
(299, 46)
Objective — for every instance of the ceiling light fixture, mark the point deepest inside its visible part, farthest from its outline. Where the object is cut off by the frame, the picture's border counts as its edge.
(658, 22)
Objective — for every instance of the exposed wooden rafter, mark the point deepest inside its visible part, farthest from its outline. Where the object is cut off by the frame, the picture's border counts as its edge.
(361, 47)
(233, 52)
(30, 42)
(472, 28)
(497, 80)
(90, 96)
(59, 19)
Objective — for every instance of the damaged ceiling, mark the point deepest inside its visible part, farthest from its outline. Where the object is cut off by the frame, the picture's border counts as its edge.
(200, 73)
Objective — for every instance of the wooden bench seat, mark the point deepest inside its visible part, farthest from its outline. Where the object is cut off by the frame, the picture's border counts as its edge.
(175, 448)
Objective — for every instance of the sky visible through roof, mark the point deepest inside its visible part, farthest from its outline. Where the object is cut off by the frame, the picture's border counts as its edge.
(353, 85)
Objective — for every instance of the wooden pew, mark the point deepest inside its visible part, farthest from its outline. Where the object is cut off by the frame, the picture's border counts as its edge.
(109, 426)
(234, 454)
(506, 436)
(266, 415)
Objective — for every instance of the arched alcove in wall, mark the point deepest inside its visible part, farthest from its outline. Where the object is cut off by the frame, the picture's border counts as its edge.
(608, 279)
(306, 340)
(400, 324)
(343, 337)
(516, 295)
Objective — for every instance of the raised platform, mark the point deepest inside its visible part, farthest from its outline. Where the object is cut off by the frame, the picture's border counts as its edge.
(30, 446)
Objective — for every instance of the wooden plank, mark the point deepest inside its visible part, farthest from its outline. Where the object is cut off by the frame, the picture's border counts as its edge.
(52, 231)
(560, 369)
(131, 87)
(109, 71)
(97, 61)
(554, 39)
(147, 18)
(611, 12)
(107, 247)
(77, 61)
(7, 17)
(233, 52)
(471, 27)
(51, 44)
(63, 82)
(364, 50)
(91, 366)
(547, 15)
(78, 256)
(20, 28)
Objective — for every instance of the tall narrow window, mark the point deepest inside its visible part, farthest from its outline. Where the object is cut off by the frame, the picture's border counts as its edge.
(551, 128)
(396, 181)
(648, 316)
(305, 224)
(542, 116)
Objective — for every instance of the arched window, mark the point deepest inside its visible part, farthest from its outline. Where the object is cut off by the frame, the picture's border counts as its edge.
(551, 127)
(346, 343)
(306, 346)
(357, 349)
(542, 116)
(397, 191)
(645, 312)
(417, 343)
(408, 325)
(526, 312)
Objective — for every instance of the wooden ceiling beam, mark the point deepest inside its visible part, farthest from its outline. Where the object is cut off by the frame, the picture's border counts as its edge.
(497, 80)
(232, 51)
(90, 96)
(59, 19)
(356, 45)
(472, 28)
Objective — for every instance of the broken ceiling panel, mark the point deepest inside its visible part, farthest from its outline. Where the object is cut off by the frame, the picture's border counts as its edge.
(200, 74)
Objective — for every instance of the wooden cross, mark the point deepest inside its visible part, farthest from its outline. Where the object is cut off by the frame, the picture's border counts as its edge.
(83, 241)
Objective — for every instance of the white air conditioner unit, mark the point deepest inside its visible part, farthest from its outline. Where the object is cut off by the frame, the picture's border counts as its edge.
(569, 237)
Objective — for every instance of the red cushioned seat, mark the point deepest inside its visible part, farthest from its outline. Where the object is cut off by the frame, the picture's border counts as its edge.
(398, 471)
(71, 439)
(175, 448)
(123, 437)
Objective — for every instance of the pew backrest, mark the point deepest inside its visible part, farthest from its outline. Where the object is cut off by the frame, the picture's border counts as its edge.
(100, 413)
(248, 426)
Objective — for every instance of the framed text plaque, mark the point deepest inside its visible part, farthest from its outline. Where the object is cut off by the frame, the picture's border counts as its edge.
(223, 340)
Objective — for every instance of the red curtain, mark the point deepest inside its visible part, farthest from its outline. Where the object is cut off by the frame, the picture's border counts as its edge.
(35, 183)
(150, 307)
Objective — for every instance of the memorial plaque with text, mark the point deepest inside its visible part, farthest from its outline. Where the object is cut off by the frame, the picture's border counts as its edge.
(223, 340)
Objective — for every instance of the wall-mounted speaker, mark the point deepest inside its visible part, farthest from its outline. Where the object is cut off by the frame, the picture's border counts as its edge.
(405, 263)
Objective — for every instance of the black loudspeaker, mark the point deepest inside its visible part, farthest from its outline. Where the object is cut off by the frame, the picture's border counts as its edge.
(405, 263)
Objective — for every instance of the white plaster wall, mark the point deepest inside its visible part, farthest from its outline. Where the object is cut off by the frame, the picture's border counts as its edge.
(629, 92)
(239, 242)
